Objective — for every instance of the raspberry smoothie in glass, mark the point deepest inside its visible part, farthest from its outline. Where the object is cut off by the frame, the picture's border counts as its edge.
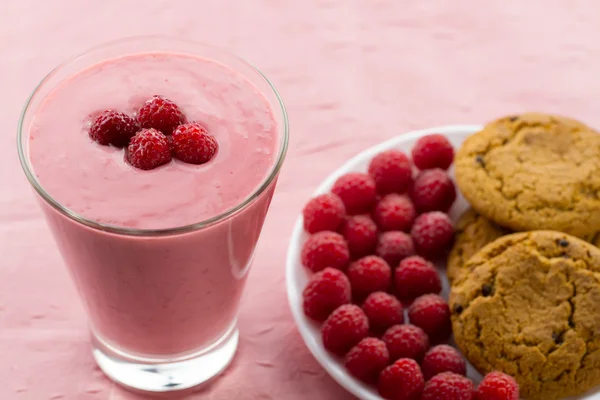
(154, 161)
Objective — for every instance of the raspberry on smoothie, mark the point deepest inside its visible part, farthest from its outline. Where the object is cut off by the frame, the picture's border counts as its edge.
(160, 113)
(113, 127)
(148, 149)
(193, 144)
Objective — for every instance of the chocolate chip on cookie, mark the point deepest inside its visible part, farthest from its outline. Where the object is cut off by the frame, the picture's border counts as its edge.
(479, 159)
(457, 309)
(558, 337)
(486, 290)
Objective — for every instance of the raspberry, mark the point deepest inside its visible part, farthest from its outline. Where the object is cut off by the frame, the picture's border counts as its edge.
(369, 274)
(193, 144)
(433, 151)
(431, 313)
(383, 311)
(498, 386)
(402, 380)
(161, 114)
(416, 276)
(357, 191)
(148, 149)
(394, 212)
(113, 127)
(392, 172)
(326, 291)
(406, 341)
(394, 246)
(367, 359)
(360, 233)
(323, 213)
(344, 328)
(325, 249)
(449, 386)
(432, 234)
(443, 358)
(433, 190)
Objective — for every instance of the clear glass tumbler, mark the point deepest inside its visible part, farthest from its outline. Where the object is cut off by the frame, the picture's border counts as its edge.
(162, 304)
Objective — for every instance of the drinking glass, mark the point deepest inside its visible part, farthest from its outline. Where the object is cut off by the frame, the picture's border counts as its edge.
(162, 304)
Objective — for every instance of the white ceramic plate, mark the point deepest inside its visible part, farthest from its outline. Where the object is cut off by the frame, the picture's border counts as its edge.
(297, 276)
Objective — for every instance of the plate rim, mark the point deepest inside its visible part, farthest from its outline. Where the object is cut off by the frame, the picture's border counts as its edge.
(318, 352)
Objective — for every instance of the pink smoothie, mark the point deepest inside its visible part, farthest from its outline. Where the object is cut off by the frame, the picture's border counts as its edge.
(168, 294)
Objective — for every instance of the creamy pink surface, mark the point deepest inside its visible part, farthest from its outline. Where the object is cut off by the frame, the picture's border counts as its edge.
(352, 73)
(96, 182)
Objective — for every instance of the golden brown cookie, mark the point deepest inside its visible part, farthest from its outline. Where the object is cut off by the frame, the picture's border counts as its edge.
(530, 307)
(533, 171)
(472, 232)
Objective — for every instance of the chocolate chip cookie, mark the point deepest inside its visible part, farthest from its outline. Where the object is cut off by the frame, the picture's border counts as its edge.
(530, 306)
(472, 232)
(533, 171)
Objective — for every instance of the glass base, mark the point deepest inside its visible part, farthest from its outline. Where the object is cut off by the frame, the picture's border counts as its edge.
(166, 375)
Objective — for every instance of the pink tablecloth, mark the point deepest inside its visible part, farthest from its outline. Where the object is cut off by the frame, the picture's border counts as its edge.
(352, 73)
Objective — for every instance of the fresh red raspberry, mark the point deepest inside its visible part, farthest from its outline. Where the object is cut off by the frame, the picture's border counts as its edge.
(191, 143)
(161, 114)
(369, 274)
(431, 313)
(433, 190)
(394, 212)
(360, 233)
(392, 172)
(326, 291)
(443, 358)
(449, 386)
(406, 341)
(433, 151)
(325, 212)
(383, 311)
(498, 386)
(394, 246)
(113, 127)
(402, 380)
(344, 328)
(357, 191)
(148, 149)
(367, 359)
(325, 249)
(416, 276)
(432, 234)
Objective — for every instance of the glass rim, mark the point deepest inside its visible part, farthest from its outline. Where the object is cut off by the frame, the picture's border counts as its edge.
(121, 230)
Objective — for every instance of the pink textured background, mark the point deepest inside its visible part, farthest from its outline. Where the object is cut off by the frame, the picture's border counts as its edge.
(352, 72)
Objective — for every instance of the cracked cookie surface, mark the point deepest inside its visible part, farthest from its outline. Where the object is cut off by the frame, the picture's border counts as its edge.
(472, 232)
(533, 171)
(529, 305)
